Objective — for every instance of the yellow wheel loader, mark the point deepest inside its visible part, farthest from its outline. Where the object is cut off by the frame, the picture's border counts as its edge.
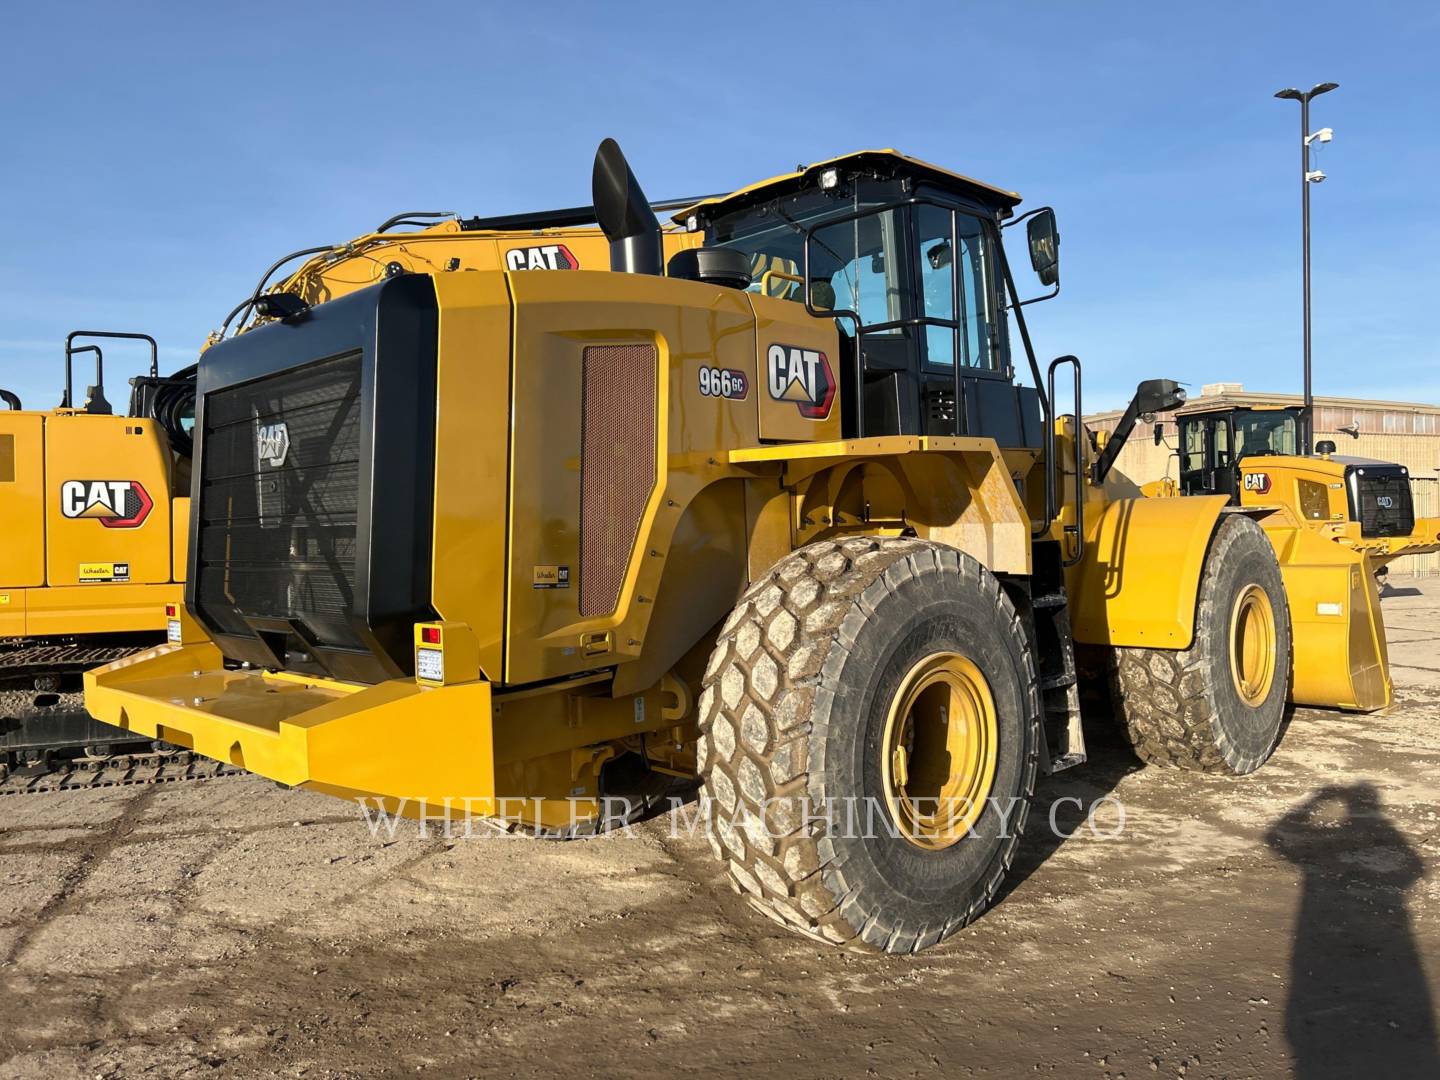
(769, 512)
(1255, 457)
(58, 619)
(94, 551)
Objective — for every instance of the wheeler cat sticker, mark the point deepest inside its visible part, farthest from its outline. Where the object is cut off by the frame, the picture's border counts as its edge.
(803, 376)
(543, 257)
(1258, 482)
(116, 504)
(91, 573)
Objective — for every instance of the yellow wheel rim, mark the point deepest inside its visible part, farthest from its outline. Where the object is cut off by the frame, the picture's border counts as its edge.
(939, 751)
(1252, 645)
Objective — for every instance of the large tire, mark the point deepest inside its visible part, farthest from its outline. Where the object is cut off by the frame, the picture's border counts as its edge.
(1218, 706)
(796, 706)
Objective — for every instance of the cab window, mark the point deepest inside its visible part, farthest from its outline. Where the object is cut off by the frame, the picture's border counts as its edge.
(859, 263)
(950, 243)
(1221, 428)
(1265, 432)
(1194, 448)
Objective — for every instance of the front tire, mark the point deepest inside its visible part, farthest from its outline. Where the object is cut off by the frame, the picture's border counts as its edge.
(1218, 706)
(855, 680)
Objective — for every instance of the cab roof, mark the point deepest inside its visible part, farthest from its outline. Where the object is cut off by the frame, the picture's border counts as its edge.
(1232, 406)
(882, 164)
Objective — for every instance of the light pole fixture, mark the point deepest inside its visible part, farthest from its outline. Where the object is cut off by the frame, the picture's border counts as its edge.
(1308, 176)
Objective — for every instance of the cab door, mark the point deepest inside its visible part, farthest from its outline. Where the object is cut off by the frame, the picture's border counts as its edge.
(1222, 478)
(107, 496)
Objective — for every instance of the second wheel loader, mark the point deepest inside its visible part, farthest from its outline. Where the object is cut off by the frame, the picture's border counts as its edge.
(521, 544)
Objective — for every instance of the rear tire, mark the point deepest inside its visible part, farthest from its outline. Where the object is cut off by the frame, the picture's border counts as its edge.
(1218, 706)
(799, 725)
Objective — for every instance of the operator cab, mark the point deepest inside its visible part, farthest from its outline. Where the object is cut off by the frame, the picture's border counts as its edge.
(907, 258)
(1212, 444)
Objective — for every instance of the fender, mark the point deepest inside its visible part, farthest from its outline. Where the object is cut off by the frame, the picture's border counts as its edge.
(1138, 582)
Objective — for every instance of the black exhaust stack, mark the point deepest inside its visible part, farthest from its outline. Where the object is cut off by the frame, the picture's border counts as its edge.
(624, 214)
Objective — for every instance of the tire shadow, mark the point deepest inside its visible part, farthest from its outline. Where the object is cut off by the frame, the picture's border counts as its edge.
(1360, 1003)
(1065, 800)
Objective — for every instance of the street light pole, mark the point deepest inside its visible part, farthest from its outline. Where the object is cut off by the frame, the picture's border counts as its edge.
(1307, 177)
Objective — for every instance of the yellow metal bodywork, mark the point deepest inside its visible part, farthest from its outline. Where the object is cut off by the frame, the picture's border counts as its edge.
(63, 570)
(1137, 583)
(446, 248)
(1313, 489)
(724, 507)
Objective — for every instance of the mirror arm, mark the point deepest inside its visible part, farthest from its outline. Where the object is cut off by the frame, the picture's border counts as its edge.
(1036, 299)
(1024, 216)
(1015, 306)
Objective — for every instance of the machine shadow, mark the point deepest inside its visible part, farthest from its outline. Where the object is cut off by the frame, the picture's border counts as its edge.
(1064, 800)
(1360, 1003)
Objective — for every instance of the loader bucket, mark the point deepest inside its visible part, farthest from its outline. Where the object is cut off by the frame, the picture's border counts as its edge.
(1338, 632)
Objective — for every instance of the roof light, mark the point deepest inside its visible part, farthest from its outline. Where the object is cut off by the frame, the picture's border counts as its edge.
(830, 178)
(692, 223)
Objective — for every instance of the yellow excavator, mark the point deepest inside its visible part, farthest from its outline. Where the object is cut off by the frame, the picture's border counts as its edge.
(768, 512)
(96, 523)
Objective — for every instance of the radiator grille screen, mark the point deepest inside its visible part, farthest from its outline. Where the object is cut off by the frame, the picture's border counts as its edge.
(279, 500)
(617, 465)
(1386, 505)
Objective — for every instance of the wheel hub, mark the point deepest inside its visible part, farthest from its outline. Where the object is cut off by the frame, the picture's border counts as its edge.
(939, 748)
(1252, 645)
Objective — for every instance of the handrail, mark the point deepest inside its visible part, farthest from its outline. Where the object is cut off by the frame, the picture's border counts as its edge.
(71, 349)
(1052, 466)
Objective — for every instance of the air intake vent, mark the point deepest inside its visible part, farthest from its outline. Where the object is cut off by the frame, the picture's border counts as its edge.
(617, 465)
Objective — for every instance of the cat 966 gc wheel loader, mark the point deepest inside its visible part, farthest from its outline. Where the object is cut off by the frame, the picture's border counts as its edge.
(771, 513)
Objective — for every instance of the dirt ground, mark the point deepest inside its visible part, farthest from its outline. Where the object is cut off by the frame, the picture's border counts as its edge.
(1278, 925)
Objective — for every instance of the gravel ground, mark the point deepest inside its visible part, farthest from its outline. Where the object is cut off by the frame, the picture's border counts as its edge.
(1278, 925)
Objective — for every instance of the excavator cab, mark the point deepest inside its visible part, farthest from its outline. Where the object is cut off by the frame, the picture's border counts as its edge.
(907, 259)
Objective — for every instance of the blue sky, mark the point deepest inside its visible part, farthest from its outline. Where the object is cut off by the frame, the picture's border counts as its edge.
(159, 156)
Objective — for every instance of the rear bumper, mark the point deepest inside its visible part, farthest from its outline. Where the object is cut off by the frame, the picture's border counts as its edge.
(396, 741)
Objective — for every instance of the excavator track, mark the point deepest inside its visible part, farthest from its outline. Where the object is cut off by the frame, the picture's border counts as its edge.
(49, 743)
(30, 661)
(169, 765)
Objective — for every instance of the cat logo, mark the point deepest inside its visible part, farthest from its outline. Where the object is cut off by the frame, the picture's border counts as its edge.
(116, 504)
(272, 442)
(802, 376)
(1385, 502)
(545, 257)
(1258, 482)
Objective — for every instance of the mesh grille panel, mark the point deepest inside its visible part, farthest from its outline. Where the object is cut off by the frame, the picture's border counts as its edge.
(277, 532)
(1386, 505)
(617, 465)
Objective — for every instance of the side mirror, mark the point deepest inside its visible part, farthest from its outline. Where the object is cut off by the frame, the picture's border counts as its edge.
(1159, 395)
(1159, 432)
(1044, 246)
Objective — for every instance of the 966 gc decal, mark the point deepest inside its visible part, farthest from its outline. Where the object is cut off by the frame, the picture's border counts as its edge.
(724, 383)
